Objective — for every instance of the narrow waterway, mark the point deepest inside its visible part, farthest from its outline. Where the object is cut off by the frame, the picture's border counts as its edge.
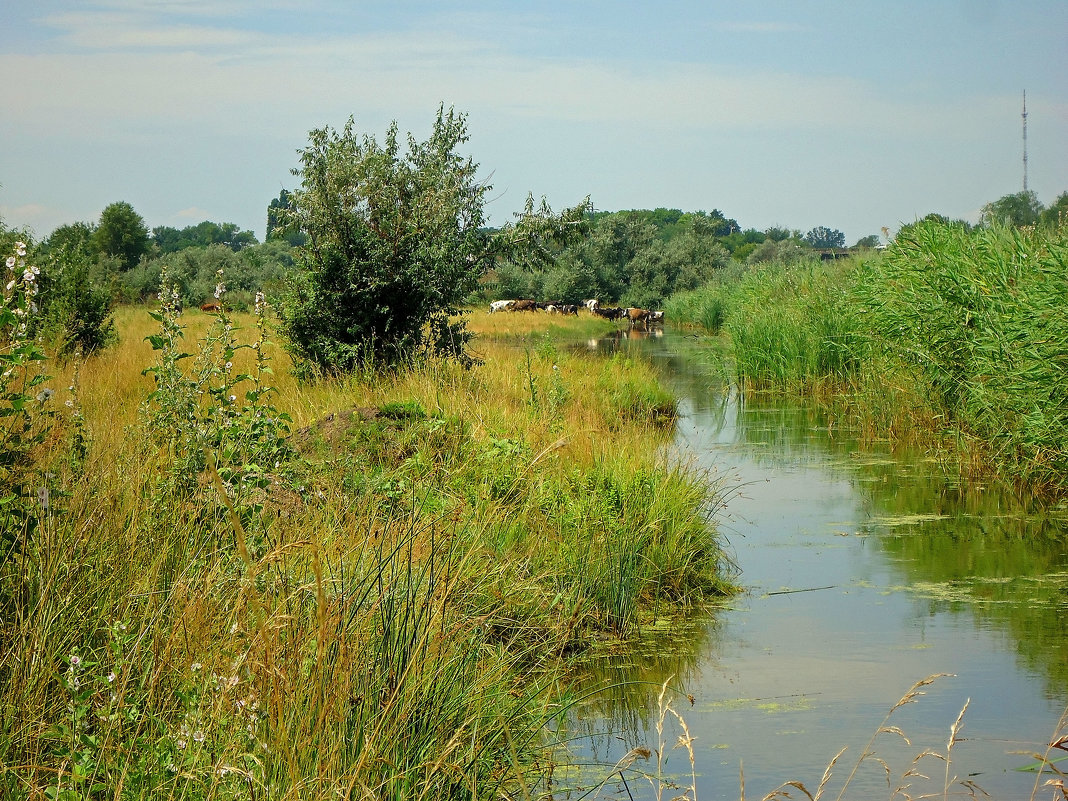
(864, 572)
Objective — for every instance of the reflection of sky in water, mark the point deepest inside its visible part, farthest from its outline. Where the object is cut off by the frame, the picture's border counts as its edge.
(789, 678)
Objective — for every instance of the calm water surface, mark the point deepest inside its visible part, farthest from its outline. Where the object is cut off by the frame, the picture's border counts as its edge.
(864, 572)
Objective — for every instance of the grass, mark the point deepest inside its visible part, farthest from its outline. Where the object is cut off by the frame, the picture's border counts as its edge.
(389, 614)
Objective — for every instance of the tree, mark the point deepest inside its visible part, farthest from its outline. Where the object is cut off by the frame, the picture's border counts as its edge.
(121, 233)
(1057, 213)
(202, 235)
(395, 244)
(823, 237)
(277, 228)
(869, 241)
(1019, 209)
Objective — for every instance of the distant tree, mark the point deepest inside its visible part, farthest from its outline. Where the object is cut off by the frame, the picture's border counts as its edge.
(75, 238)
(823, 237)
(783, 251)
(1057, 213)
(204, 234)
(869, 241)
(121, 233)
(279, 226)
(779, 234)
(1019, 209)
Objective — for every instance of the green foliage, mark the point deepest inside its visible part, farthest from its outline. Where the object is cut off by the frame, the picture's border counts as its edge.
(970, 320)
(394, 247)
(171, 240)
(76, 302)
(869, 241)
(823, 237)
(1018, 209)
(198, 419)
(979, 317)
(277, 225)
(192, 272)
(121, 233)
(1057, 213)
(25, 412)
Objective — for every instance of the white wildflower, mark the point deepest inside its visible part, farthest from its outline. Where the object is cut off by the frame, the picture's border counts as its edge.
(198, 736)
(11, 262)
(75, 660)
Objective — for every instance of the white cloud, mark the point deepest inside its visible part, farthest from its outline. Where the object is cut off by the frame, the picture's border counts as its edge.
(98, 31)
(192, 213)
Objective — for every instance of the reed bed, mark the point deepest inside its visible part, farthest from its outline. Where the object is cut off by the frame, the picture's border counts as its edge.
(388, 612)
(954, 335)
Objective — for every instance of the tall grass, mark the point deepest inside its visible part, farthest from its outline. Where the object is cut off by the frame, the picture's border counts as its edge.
(384, 618)
(979, 317)
(790, 326)
(953, 330)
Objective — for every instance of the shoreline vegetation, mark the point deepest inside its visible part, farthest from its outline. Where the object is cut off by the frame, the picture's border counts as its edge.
(378, 586)
(955, 338)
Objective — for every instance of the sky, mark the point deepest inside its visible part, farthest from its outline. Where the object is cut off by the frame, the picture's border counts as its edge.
(801, 113)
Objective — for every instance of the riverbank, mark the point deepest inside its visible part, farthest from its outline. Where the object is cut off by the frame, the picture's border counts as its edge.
(953, 337)
(372, 586)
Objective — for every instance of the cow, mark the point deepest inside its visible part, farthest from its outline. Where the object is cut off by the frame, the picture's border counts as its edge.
(569, 308)
(656, 317)
(500, 305)
(591, 304)
(213, 306)
(609, 312)
(524, 305)
(636, 315)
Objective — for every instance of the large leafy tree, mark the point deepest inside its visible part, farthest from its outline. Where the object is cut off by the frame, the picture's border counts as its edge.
(122, 233)
(823, 237)
(395, 244)
(1019, 209)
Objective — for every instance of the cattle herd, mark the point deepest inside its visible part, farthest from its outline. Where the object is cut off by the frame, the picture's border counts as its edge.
(630, 314)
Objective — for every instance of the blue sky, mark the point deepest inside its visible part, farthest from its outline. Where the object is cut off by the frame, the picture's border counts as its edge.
(851, 115)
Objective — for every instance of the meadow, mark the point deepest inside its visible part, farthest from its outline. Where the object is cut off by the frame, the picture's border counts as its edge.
(954, 337)
(226, 583)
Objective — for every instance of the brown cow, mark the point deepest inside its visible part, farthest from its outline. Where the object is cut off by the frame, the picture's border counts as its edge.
(214, 306)
(524, 305)
(637, 315)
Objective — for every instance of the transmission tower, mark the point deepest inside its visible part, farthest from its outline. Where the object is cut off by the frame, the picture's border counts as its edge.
(1024, 115)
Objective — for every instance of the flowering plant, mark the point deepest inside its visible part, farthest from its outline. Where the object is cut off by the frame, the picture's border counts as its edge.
(215, 413)
(24, 399)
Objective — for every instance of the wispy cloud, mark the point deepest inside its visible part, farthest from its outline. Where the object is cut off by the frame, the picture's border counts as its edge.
(110, 31)
(761, 27)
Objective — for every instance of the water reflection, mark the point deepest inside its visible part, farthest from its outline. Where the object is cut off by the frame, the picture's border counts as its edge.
(920, 575)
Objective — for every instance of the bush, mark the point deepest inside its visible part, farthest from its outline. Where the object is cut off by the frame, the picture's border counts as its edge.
(395, 246)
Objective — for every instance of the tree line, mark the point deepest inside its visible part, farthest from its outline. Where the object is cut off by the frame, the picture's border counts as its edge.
(373, 256)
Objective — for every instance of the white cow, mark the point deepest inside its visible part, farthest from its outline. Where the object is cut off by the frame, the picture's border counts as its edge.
(501, 305)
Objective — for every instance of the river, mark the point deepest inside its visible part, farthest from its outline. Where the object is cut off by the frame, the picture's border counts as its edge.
(864, 571)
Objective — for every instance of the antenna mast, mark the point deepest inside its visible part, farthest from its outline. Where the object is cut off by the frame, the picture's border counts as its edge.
(1024, 115)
